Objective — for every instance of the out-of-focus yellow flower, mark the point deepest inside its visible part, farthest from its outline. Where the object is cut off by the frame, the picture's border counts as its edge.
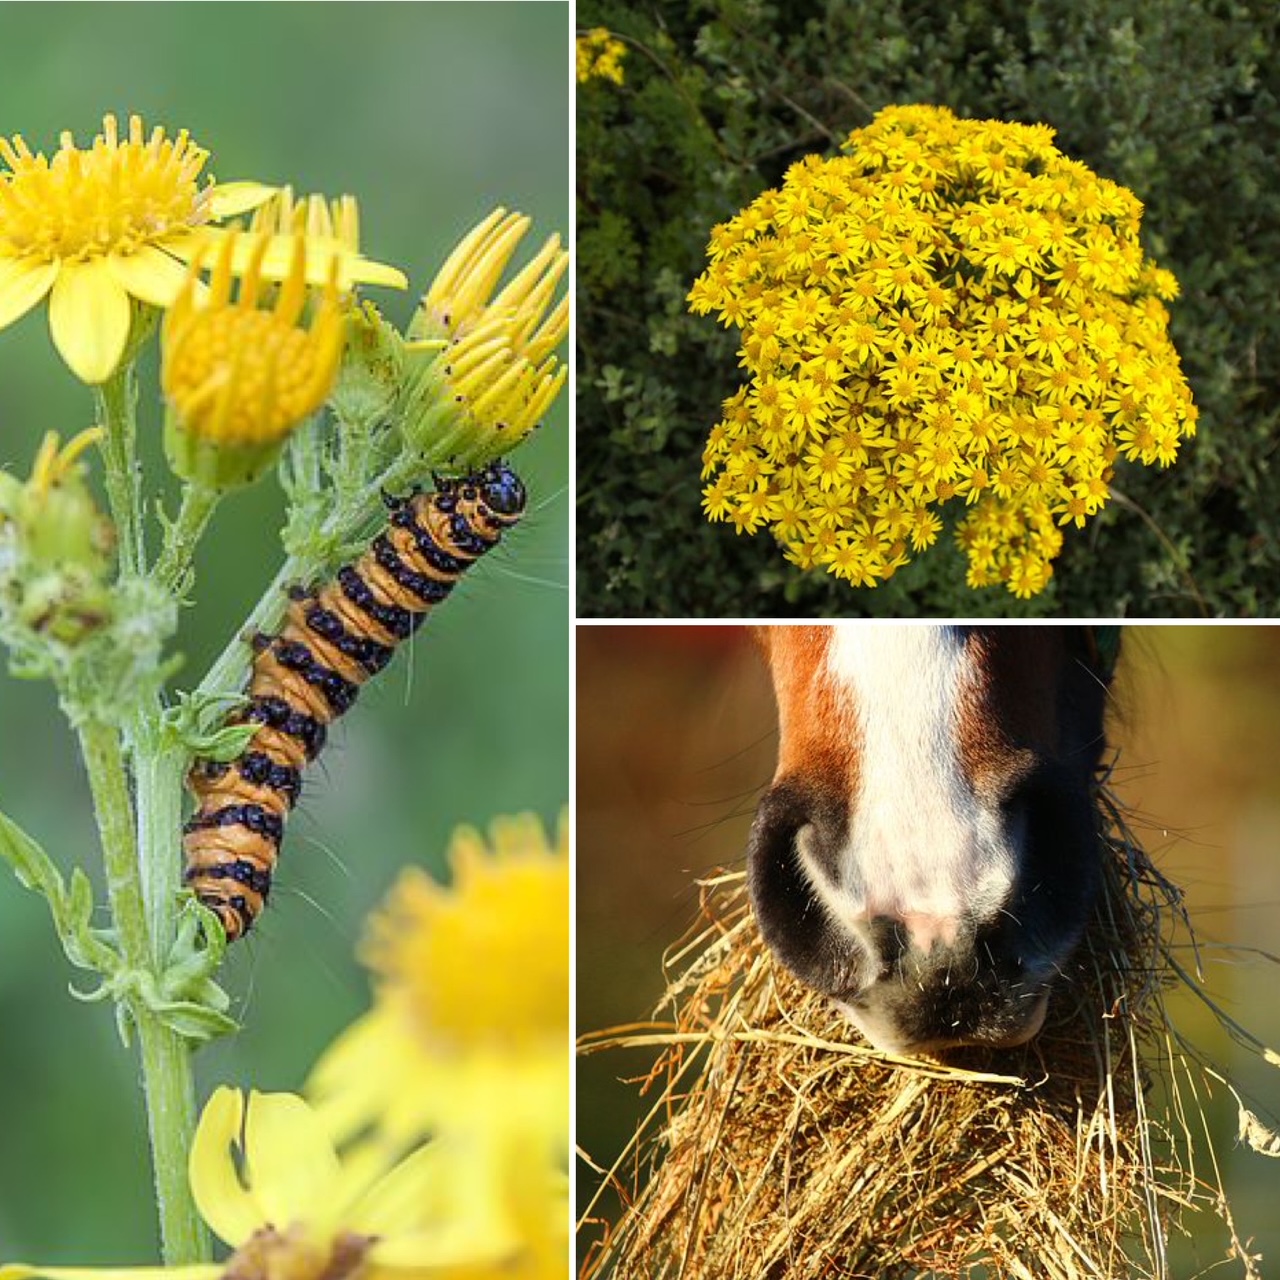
(93, 227)
(468, 1040)
(495, 370)
(599, 56)
(239, 375)
(267, 1179)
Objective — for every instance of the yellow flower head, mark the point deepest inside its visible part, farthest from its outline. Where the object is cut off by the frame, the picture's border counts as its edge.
(508, 907)
(495, 367)
(952, 309)
(93, 227)
(246, 372)
(599, 56)
(468, 1040)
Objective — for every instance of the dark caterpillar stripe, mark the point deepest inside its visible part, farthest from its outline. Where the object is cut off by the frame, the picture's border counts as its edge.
(333, 639)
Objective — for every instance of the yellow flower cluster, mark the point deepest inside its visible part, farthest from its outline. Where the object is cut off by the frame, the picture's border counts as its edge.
(951, 310)
(600, 56)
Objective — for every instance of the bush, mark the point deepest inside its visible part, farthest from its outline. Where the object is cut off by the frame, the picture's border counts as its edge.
(1175, 100)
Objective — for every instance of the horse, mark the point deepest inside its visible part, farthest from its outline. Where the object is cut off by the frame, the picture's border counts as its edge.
(928, 852)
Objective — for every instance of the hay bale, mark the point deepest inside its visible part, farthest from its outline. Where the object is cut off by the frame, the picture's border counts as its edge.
(784, 1150)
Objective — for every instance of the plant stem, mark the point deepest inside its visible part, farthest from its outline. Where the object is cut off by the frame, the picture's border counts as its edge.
(117, 399)
(174, 565)
(168, 1084)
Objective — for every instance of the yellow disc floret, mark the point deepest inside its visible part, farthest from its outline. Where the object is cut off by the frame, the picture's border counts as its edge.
(507, 912)
(244, 372)
(952, 310)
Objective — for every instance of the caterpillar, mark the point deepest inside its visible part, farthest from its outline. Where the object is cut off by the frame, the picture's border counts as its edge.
(333, 639)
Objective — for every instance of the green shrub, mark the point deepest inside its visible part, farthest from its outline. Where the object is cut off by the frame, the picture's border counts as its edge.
(1175, 99)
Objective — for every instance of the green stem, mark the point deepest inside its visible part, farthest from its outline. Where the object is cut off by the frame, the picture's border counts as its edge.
(159, 804)
(117, 399)
(173, 568)
(168, 1083)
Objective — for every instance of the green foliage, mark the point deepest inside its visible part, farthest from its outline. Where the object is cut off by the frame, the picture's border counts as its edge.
(1176, 101)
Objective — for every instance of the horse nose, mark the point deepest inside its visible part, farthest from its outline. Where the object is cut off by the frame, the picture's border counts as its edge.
(894, 933)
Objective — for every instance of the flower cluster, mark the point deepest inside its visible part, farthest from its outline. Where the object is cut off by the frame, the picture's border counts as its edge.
(600, 56)
(951, 310)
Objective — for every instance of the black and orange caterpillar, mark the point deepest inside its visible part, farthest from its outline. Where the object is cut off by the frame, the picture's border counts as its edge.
(333, 639)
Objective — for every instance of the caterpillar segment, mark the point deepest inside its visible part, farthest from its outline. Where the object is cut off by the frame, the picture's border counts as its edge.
(333, 639)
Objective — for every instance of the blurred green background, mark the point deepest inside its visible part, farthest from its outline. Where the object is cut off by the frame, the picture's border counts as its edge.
(431, 114)
(1178, 100)
(677, 737)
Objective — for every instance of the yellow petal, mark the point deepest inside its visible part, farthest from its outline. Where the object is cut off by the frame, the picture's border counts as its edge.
(289, 1159)
(230, 1210)
(22, 285)
(352, 269)
(399, 1202)
(229, 198)
(89, 316)
(149, 274)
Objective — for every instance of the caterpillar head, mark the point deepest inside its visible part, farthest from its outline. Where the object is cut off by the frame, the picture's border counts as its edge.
(502, 490)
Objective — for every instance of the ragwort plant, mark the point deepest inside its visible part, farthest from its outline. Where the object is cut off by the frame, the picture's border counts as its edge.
(270, 361)
(1175, 101)
(951, 310)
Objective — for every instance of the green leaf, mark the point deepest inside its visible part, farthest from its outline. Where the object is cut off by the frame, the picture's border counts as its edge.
(197, 725)
(32, 866)
(196, 1022)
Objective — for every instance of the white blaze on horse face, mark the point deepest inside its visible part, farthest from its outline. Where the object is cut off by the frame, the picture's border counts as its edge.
(922, 847)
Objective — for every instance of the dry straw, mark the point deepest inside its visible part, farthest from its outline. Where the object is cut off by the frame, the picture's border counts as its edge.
(777, 1148)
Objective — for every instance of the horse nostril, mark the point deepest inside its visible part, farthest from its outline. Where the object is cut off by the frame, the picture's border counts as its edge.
(894, 934)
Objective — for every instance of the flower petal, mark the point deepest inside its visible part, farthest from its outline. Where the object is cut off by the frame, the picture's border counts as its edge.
(22, 285)
(149, 274)
(229, 198)
(230, 1210)
(289, 1160)
(401, 1200)
(321, 250)
(89, 317)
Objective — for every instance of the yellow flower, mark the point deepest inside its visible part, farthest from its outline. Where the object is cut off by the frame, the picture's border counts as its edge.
(951, 310)
(93, 227)
(468, 1040)
(240, 375)
(494, 365)
(267, 1179)
(599, 56)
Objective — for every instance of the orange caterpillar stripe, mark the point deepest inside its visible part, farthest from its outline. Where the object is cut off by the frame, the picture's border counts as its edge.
(332, 641)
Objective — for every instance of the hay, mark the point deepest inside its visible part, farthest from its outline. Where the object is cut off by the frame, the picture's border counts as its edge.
(780, 1149)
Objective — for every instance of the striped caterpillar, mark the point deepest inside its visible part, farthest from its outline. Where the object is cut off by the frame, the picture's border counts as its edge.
(333, 639)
